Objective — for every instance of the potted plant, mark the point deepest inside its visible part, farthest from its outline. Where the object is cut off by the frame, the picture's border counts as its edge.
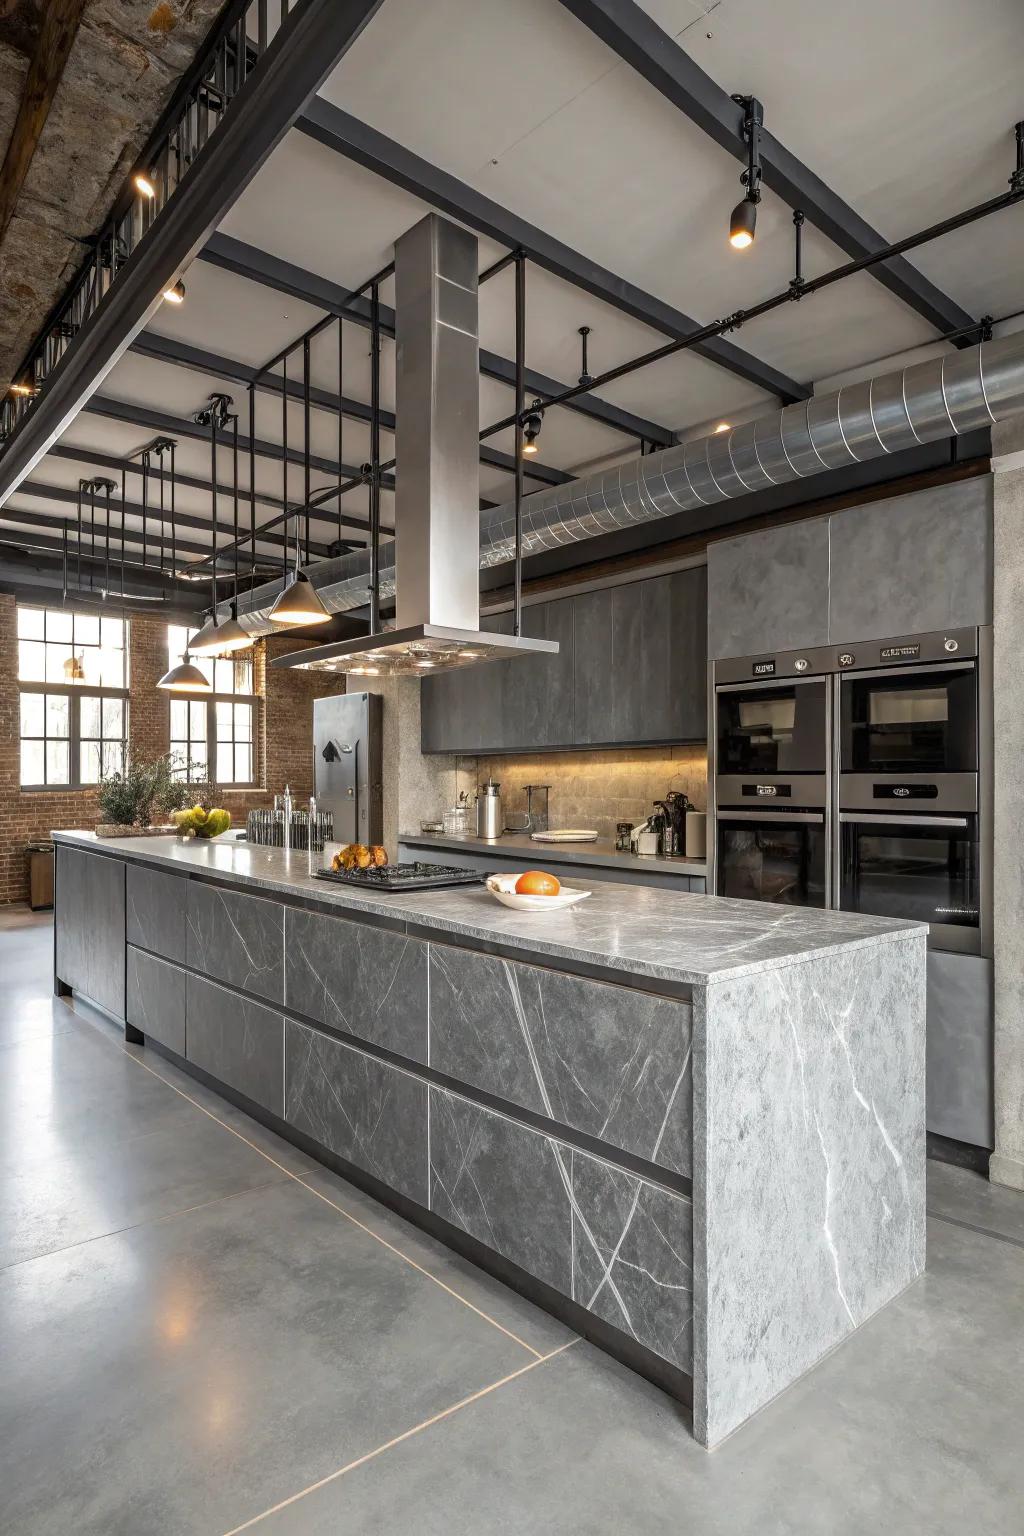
(131, 799)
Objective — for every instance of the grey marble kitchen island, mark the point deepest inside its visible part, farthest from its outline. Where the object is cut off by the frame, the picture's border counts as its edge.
(692, 1126)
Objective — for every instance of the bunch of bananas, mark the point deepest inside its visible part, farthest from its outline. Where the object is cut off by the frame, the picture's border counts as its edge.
(359, 856)
(202, 823)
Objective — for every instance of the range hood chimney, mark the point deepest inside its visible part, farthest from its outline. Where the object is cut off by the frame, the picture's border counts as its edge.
(437, 452)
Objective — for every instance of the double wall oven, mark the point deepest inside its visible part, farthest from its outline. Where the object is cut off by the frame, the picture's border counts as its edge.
(858, 777)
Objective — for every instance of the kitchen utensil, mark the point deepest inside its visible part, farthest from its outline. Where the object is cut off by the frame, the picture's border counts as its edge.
(517, 821)
(623, 830)
(456, 817)
(537, 806)
(490, 822)
(503, 889)
(566, 835)
(696, 834)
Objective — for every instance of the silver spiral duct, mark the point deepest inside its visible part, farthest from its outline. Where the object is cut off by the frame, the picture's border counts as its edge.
(946, 396)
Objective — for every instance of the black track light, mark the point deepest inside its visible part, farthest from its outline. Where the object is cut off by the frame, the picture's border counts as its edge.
(532, 424)
(743, 222)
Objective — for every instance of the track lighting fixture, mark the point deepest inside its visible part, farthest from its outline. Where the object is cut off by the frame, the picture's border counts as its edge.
(176, 293)
(532, 424)
(143, 184)
(743, 223)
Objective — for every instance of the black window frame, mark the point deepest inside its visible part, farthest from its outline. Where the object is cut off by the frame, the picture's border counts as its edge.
(180, 750)
(73, 692)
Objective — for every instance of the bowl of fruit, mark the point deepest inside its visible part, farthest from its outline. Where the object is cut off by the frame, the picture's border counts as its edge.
(197, 822)
(533, 891)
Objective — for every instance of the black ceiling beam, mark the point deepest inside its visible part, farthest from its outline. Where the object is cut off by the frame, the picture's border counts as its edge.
(259, 267)
(64, 493)
(132, 536)
(338, 130)
(165, 349)
(89, 456)
(634, 37)
(310, 42)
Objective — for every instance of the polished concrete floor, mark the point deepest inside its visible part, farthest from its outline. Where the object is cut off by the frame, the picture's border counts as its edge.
(202, 1332)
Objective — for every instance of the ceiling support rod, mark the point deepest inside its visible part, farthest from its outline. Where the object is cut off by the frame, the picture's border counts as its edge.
(517, 596)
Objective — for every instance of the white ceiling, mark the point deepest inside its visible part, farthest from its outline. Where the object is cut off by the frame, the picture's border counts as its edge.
(905, 109)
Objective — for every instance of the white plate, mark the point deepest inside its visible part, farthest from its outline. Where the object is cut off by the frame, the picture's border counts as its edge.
(503, 889)
(570, 835)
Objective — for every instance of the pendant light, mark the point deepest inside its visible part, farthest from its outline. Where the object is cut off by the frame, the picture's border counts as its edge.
(743, 220)
(185, 678)
(228, 636)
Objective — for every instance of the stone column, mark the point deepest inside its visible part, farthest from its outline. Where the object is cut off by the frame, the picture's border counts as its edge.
(416, 786)
(1007, 1162)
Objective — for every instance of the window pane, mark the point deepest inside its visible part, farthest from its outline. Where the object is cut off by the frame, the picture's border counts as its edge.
(56, 656)
(58, 625)
(87, 629)
(243, 722)
(243, 676)
(225, 764)
(89, 718)
(31, 661)
(112, 757)
(243, 765)
(113, 717)
(30, 623)
(223, 722)
(111, 668)
(197, 720)
(90, 657)
(58, 714)
(32, 714)
(197, 754)
(112, 633)
(57, 762)
(90, 762)
(179, 719)
(32, 762)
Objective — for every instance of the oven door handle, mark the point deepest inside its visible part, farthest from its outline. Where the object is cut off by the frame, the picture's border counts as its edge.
(816, 818)
(881, 818)
(919, 669)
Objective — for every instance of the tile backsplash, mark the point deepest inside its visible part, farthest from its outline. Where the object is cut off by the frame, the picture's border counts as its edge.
(594, 789)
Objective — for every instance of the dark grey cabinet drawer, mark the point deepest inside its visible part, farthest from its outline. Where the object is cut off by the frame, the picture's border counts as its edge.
(365, 981)
(235, 938)
(618, 1245)
(364, 1110)
(89, 919)
(156, 999)
(532, 1036)
(239, 1042)
(155, 914)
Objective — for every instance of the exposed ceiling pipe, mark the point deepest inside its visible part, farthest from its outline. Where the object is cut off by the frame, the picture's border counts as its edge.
(943, 397)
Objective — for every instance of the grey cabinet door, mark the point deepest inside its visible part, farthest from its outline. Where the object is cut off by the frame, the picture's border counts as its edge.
(236, 938)
(156, 911)
(641, 662)
(89, 918)
(237, 1041)
(768, 591)
(156, 999)
(909, 565)
(460, 710)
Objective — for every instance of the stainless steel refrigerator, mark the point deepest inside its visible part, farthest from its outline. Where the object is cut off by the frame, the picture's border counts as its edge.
(347, 762)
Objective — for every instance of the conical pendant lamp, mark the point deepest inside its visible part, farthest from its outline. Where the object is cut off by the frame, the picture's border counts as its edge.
(299, 603)
(185, 678)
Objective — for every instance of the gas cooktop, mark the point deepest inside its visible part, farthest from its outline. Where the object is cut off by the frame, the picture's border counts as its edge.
(402, 877)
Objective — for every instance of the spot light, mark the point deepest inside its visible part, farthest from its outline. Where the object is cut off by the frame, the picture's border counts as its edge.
(143, 184)
(743, 221)
(723, 426)
(743, 224)
(532, 424)
(22, 389)
(175, 294)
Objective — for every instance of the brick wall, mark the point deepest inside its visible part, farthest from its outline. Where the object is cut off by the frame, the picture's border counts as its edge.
(284, 739)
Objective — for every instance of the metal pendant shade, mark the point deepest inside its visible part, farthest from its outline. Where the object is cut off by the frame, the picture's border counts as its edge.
(299, 604)
(225, 638)
(185, 678)
(206, 641)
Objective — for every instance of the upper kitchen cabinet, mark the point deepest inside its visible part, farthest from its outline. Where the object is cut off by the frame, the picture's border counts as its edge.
(641, 662)
(913, 564)
(631, 670)
(768, 591)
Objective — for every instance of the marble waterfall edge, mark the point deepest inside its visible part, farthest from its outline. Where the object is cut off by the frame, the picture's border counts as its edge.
(809, 1167)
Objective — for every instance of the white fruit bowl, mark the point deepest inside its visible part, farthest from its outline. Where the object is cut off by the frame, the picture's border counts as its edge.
(503, 889)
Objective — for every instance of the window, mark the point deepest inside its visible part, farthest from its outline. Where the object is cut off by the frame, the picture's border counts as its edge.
(72, 675)
(213, 735)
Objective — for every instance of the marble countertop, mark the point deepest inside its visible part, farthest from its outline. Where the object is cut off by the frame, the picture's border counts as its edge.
(603, 852)
(665, 935)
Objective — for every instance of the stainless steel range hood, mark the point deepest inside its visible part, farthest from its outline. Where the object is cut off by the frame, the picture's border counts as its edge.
(437, 449)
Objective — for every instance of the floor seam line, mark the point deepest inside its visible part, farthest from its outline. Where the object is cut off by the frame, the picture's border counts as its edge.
(396, 1440)
(970, 1226)
(340, 1210)
(135, 1226)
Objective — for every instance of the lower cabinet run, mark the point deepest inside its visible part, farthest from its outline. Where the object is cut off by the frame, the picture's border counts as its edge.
(237, 1041)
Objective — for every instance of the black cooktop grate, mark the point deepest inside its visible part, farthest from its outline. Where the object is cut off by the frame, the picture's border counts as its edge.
(402, 877)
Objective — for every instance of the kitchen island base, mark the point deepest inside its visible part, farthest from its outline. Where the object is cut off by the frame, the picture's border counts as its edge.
(693, 1129)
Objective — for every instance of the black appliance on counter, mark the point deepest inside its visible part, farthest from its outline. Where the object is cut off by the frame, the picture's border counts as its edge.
(858, 777)
(403, 877)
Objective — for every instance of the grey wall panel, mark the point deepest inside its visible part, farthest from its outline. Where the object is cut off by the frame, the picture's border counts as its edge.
(365, 981)
(960, 1048)
(235, 938)
(370, 1113)
(535, 1037)
(768, 591)
(156, 911)
(156, 999)
(912, 564)
(237, 1041)
(618, 1245)
(90, 924)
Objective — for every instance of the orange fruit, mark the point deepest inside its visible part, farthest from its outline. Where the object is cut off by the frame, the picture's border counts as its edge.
(536, 883)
